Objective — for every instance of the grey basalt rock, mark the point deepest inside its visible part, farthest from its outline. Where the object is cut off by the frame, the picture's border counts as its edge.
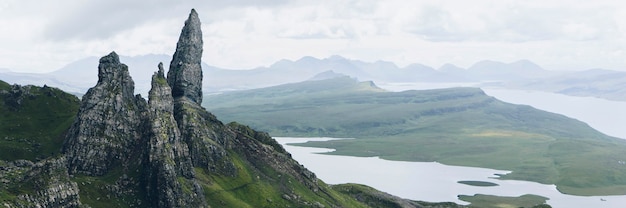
(169, 164)
(48, 179)
(108, 124)
(185, 73)
(206, 136)
(156, 147)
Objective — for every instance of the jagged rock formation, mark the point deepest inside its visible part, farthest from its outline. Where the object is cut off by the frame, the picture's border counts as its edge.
(176, 137)
(185, 74)
(44, 184)
(107, 128)
(124, 151)
(169, 162)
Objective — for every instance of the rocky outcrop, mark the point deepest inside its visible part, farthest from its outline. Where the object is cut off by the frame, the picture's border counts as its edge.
(169, 163)
(205, 135)
(16, 95)
(185, 73)
(43, 184)
(108, 126)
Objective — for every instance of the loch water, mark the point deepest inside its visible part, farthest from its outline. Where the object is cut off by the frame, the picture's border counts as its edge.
(435, 182)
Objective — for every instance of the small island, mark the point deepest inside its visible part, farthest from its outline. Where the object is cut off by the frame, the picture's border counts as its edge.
(478, 183)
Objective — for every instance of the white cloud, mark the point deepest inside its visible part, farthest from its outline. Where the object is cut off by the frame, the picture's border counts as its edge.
(243, 34)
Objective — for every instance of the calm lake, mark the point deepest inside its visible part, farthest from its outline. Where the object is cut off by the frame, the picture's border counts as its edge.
(427, 181)
(436, 182)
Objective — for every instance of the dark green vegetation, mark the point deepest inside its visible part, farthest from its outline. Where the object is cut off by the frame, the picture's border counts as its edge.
(459, 126)
(488, 201)
(33, 121)
(478, 183)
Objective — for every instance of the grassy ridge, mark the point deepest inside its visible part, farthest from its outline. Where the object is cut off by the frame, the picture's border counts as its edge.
(33, 121)
(489, 201)
(459, 126)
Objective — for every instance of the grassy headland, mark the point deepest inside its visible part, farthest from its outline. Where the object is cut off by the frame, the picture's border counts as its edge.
(458, 126)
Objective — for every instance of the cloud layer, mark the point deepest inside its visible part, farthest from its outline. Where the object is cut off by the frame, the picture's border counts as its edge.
(42, 36)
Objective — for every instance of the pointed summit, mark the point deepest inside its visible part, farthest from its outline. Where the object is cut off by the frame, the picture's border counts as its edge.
(104, 132)
(185, 74)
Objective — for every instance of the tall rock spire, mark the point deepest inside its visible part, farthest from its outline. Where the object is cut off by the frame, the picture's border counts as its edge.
(168, 161)
(185, 73)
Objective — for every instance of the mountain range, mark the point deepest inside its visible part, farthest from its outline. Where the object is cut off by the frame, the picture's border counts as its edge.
(78, 76)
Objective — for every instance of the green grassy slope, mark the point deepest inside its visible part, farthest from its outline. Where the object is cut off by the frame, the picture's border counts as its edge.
(264, 188)
(488, 201)
(459, 126)
(33, 121)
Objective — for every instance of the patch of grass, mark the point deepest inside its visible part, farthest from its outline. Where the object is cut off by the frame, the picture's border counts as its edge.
(92, 191)
(4, 85)
(458, 126)
(375, 198)
(264, 188)
(161, 81)
(478, 183)
(33, 121)
(489, 201)
(98, 192)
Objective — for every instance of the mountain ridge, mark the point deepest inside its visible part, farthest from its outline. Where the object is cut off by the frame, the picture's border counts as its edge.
(522, 74)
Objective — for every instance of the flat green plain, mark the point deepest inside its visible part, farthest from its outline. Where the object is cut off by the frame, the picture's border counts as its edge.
(457, 126)
(489, 201)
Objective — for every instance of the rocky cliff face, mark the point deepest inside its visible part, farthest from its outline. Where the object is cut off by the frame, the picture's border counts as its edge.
(169, 163)
(176, 138)
(185, 74)
(43, 184)
(108, 126)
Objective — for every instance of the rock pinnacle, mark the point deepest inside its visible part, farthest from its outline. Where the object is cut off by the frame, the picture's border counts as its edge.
(185, 73)
(105, 129)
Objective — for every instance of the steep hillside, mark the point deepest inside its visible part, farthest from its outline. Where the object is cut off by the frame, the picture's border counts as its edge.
(458, 126)
(33, 121)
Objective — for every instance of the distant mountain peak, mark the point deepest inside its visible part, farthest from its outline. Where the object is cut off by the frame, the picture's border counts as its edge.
(330, 74)
(489, 65)
(526, 64)
(307, 59)
(448, 67)
(336, 58)
(485, 64)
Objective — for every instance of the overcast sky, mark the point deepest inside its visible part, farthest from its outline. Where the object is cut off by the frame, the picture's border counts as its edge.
(40, 36)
